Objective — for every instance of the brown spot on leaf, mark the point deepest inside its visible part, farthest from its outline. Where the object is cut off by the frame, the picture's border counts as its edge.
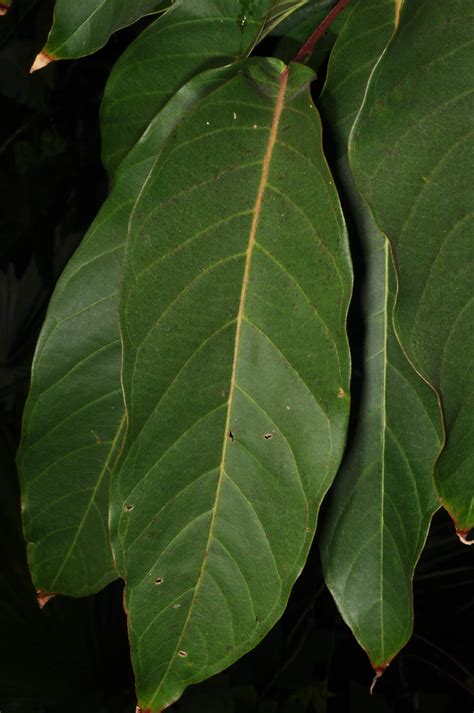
(231, 436)
(341, 393)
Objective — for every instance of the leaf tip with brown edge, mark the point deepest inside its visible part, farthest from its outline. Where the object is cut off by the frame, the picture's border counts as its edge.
(379, 671)
(41, 60)
(462, 532)
(43, 597)
(464, 535)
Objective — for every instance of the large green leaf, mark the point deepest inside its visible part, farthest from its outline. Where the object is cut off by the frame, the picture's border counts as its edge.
(381, 504)
(75, 407)
(235, 374)
(412, 152)
(80, 28)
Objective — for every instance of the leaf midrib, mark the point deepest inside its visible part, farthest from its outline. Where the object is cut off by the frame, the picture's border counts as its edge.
(283, 79)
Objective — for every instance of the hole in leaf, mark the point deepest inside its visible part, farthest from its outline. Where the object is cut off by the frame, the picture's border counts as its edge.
(268, 436)
(159, 580)
(231, 435)
(128, 508)
(183, 654)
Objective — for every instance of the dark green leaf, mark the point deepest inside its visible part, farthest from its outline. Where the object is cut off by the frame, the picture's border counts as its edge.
(174, 48)
(381, 505)
(84, 26)
(235, 375)
(412, 152)
(75, 406)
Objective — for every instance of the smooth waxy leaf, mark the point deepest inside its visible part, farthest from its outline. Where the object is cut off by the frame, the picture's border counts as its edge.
(235, 374)
(381, 504)
(174, 48)
(74, 415)
(80, 28)
(412, 149)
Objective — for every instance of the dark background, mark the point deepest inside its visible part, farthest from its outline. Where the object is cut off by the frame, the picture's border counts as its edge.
(73, 655)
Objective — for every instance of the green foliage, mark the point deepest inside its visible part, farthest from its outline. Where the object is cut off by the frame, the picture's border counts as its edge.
(189, 400)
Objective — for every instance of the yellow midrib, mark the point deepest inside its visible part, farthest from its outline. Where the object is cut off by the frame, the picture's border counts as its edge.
(398, 9)
(240, 314)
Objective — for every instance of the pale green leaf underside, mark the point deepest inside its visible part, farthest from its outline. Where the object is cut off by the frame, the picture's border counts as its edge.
(235, 373)
(412, 152)
(381, 504)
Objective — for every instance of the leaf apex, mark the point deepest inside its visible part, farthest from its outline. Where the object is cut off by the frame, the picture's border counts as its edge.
(41, 60)
(463, 535)
(379, 671)
(43, 597)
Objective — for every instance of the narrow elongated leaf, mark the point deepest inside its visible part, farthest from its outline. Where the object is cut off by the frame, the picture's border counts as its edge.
(381, 504)
(173, 49)
(412, 152)
(235, 374)
(80, 28)
(75, 408)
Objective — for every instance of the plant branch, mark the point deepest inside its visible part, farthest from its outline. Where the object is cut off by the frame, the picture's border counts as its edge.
(308, 47)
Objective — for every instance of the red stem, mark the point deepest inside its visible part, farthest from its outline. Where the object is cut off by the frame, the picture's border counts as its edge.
(310, 43)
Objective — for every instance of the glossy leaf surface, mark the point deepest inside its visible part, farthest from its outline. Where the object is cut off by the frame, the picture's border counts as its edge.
(412, 147)
(381, 504)
(75, 407)
(80, 28)
(235, 373)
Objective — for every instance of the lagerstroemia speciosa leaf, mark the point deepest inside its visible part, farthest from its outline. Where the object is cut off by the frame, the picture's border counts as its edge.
(381, 504)
(74, 416)
(411, 148)
(236, 283)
